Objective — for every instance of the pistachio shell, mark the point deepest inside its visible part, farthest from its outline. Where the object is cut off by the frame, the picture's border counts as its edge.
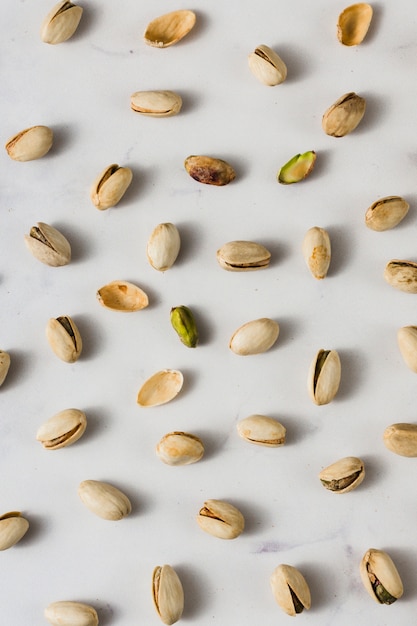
(64, 338)
(170, 28)
(343, 475)
(48, 245)
(267, 66)
(342, 117)
(380, 577)
(4, 365)
(402, 275)
(62, 429)
(317, 251)
(254, 337)
(262, 431)
(353, 23)
(61, 22)
(67, 613)
(30, 144)
(324, 376)
(12, 528)
(180, 448)
(221, 519)
(104, 500)
(121, 295)
(167, 594)
(407, 343)
(386, 213)
(290, 589)
(401, 439)
(297, 168)
(241, 256)
(163, 246)
(156, 103)
(183, 322)
(110, 186)
(160, 388)
(209, 170)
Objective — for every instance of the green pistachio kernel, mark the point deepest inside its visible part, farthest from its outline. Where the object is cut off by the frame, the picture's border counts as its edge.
(183, 322)
(297, 168)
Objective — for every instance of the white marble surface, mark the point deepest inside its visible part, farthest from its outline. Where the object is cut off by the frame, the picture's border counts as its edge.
(81, 89)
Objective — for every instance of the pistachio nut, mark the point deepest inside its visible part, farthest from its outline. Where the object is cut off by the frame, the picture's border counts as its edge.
(262, 430)
(386, 213)
(343, 475)
(110, 186)
(167, 594)
(254, 337)
(104, 500)
(297, 168)
(4, 365)
(48, 245)
(169, 28)
(62, 429)
(401, 439)
(61, 22)
(407, 343)
(68, 613)
(179, 448)
(290, 589)
(183, 322)
(324, 376)
(353, 24)
(402, 275)
(163, 246)
(64, 338)
(156, 103)
(160, 388)
(13, 526)
(342, 117)
(317, 251)
(121, 295)
(242, 256)
(380, 577)
(30, 144)
(209, 170)
(267, 66)
(221, 519)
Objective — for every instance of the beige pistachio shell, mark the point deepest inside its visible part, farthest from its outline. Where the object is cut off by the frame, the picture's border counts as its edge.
(30, 144)
(342, 117)
(290, 589)
(386, 213)
(407, 343)
(344, 475)
(254, 337)
(110, 186)
(4, 365)
(163, 246)
(48, 245)
(170, 28)
(156, 103)
(64, 338)
(167, 594)
(267, 66)
(61, 22)
(160, 388)
(402, 275)
(13, 526)
(324, 376)
(121, 295)
(353, 23)
(401, 439)
(242, 256)
(262, 431)
(104, 500)
(68, 613)
(180, 448)
(221, 519)
(380, 577)
(209, 170)
(317, 251)
(62, 429)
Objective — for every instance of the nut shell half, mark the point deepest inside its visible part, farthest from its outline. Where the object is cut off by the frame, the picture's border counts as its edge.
(160, 388)
(169, 28)
(121, 295)
(353, 23)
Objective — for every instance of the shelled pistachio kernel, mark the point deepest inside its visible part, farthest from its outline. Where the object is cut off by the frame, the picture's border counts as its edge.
(68, 613)
(110, 186)
(402, 275)
(324, 376)
(317, 251)
(344, 115)
(353, 23)
(407, 343)
(380, 577)
(64, 338)
(290, 589)
(160, 388)
(169, 28)
(163, 246)
(343, 475)
(30, 144)
(254, 337)
(180, 448)
(13, 526)
(121, 295)
(386, 213)
(243, 256)
(184, 324)
(104, 500)
(401, 439)
(61, 22)
(297, 168)
(267, 66)
(48, 245)
(262, 431)
(162, 103)
(62, 429)
(4, 365)
(221, 519)
(167, 594)
(209, 170)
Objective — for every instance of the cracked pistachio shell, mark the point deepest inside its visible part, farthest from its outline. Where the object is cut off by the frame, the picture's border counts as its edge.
(110, 186)
(317, 251)
(30, 144)
(342, 117)
(401, 439)
(324, 376)
(386, 213)
(183, 322)
(402, 275)
(254, 337)
(167, 594)
(290, 589)
(68, 613)
(179, 448)
(121, 295)
(407, 343)
(297, 168)
(353, 23)
(48, 245)
(104, 500)
(242, 256)
(221, 519)
(262, 431)
(62, 429)
(4, 365)
(380, 577)
(163, 246)
(156, 103)
(160, 388)
(64, 338)
(209, 170)
(12, 528)
(267, 66)
(343, 475)
(61, 22)
(169, 28)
